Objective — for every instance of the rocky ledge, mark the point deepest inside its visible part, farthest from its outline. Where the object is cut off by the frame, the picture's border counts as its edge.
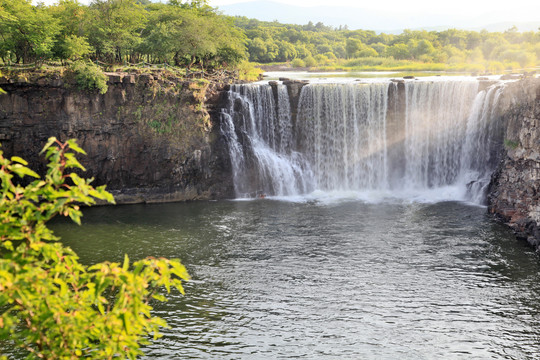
(151, 137)
(514, 192)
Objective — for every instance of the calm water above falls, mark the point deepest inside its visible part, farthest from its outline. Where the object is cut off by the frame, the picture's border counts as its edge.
(328, 280)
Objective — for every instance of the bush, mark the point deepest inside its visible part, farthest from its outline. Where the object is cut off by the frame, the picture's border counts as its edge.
(321, 59)
(297, 63)
(89, 76)
(495, 66)
(310, 61)
(51, 305)
(248, 72)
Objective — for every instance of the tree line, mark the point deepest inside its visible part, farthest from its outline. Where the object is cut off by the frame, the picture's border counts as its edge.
(320, 44)
(190, 32)
(181, 33)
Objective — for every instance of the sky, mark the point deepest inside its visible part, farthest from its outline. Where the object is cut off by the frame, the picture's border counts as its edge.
(518, 10)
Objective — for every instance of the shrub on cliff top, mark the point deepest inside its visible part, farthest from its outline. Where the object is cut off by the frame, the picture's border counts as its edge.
(52, 306)
(89, 76)
(248, 71)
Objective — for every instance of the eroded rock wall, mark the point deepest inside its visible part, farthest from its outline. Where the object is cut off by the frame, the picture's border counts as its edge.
(514, 194)
(149, 138)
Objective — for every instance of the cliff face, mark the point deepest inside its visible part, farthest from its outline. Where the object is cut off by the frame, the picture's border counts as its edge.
(514, 194)
(149, 138)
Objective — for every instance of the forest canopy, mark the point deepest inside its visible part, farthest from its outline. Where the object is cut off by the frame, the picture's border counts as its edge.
(320, 44)
(187, 33)
(117, 31)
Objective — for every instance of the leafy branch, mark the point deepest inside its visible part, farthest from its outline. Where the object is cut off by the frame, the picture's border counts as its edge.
(51, 305)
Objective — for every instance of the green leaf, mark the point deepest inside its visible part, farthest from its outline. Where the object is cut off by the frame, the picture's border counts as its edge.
(50, 141)
(22, 171)
(19, 160)
(159, 297)
(75, 215)
(73, 146)
(125, 267)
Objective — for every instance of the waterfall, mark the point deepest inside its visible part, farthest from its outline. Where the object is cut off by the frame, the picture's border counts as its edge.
(342, 131)
(379, 136)
(259, 134)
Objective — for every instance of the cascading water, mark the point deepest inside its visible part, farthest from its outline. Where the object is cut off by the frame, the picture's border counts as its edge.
(260, 139)
(381, 136)
(342, 131)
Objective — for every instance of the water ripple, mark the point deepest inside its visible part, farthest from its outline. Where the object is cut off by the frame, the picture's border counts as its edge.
(350, 280)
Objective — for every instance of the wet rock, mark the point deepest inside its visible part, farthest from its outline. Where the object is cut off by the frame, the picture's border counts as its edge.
(510, 77)
(514, 191)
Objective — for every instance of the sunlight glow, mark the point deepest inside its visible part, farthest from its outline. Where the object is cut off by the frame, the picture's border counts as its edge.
(517, 10)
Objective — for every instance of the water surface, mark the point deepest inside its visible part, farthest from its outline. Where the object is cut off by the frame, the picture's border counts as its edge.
(329, 280)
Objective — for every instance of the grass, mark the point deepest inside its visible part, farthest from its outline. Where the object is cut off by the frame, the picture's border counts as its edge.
(375, 64)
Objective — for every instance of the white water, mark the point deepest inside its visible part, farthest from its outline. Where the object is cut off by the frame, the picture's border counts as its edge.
(259, 135)
(354, 141)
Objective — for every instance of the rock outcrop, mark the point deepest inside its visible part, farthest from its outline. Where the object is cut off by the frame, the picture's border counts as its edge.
(514, 193)
(150, 137)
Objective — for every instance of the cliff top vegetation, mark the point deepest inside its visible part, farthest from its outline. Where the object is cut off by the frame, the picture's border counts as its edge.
(191, 34)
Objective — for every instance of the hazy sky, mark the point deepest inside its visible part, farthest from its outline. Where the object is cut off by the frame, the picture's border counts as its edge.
(514, 10)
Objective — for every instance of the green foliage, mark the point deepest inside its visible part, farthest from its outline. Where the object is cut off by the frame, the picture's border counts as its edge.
(89, 76)
(52, 306)
(248, 71)
(511, 144)
(191, 33)
(27, 31)
(298, 63)
(188, 35)
(451, 49)
(310, 61)
(74, 47)
(114, 27)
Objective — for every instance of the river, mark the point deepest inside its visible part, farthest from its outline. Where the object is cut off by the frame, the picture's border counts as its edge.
(329, 278)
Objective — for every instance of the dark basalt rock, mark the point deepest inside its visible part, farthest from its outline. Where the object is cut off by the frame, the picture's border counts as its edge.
(514, 191)
(147, 140)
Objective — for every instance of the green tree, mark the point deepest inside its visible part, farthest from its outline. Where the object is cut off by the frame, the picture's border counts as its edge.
(352, 47)
(191, 36)
(310, 61)
(74, 47)
(52, 306)
(114, 27)
(27, 32)
(286, 51)
(398, 51)
(70, 42)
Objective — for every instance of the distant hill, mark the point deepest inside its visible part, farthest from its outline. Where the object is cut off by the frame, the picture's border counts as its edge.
(367, 19)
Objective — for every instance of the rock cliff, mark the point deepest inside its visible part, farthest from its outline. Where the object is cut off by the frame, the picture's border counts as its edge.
(514, 193)
(150, 137)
